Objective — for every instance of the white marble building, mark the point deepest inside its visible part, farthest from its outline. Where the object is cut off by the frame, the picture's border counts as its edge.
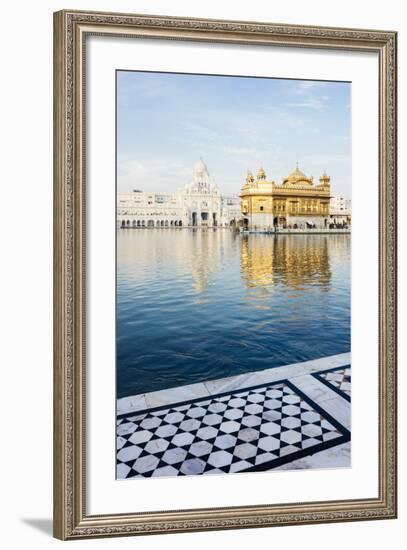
(340, 210)
(198, 204)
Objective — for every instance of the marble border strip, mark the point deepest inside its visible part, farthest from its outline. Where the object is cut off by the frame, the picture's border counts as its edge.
(136, 403)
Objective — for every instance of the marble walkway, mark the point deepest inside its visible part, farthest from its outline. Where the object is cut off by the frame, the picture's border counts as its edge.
(291, 417)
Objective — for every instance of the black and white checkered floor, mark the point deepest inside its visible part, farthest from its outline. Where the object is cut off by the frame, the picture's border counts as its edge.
(338, 379)
(250, 429)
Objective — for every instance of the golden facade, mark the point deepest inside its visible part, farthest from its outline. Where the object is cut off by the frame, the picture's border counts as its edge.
(297, 202)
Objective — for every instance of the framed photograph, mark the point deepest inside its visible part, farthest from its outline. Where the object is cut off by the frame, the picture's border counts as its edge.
(225, 274)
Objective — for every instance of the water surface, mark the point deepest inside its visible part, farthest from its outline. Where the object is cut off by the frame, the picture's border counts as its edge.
(196, 305)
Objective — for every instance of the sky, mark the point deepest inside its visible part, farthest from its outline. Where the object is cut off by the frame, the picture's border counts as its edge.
(166, 122)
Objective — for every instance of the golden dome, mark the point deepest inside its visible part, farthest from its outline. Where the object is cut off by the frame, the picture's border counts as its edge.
(297, 176)
(249, 177)
(261, 174)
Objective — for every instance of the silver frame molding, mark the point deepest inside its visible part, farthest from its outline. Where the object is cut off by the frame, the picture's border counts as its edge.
(70, 31)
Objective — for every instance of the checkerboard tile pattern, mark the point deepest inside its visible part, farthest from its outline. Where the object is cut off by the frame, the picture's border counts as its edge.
(338, 379)
(246, 430)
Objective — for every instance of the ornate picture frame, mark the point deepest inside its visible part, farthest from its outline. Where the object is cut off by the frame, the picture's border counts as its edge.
(71, 30)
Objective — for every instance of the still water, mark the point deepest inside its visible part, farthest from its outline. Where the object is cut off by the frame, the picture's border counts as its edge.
(196, 305)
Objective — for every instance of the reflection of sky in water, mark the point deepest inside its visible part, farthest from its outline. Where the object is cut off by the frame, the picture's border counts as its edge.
(199, 305)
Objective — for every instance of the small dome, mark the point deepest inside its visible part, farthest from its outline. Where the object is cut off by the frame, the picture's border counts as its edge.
(249, 177)
(200, 169)
(261, 174)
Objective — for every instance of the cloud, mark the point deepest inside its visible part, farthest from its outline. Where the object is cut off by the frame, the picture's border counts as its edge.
(327, 159)
(303, 87)
(247, 152)
(161, 175)
(310, 94)
(316, 104)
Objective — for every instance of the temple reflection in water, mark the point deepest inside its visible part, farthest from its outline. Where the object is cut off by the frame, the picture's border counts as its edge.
(294, 261)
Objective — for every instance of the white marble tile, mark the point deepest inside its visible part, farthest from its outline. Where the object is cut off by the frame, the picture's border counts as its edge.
(336, 457)
(207, 432)
(157, 446)
(122, 470)
(141, 436)
(291, 422)
(282, 373)
(288, 450)
(265, 457)
(251, 421)
(182, 439)
(174, 455)
(174, 395)
(126, 428)
(312, 430)
(214, 472)
(190, 425)
(220, 459)
(193, 466)
(165, 471)
(248, 434)
(146, 464)
(245, 450)
(269, 443)
(225, 441)
(233, 383)
(120, 442)
(312, 416)
(233, 414)
(270, 428)
(256, 398)
(129, 453)
(166, 431)
(290, 437)
(196, 411)
(152, 422)
(212, 419)
(239, 466)
(217, 407)
(314, 388)
(253, 408)
(200, 448)
(230, 426)
(173, 417)
(131, 404)
(339, 408)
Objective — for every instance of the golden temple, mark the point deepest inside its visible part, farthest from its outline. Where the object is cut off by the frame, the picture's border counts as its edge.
(296, 203)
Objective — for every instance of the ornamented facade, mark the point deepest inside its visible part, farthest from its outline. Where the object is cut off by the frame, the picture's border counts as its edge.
(198, 204)
(296, 203)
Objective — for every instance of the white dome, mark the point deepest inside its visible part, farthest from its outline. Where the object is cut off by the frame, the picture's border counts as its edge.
(201, 184)
(200, 169)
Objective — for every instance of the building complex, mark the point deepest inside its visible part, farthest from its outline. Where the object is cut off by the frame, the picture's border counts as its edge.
(296, 203)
